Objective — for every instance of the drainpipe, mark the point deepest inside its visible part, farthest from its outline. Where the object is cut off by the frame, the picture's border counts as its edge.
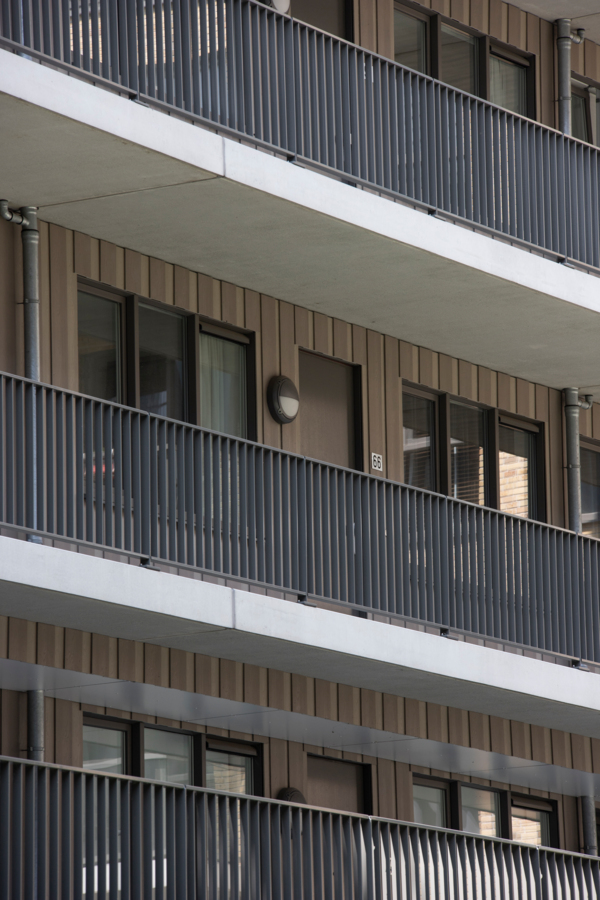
(572, 406)
(588, 816)
(35, 725)
(564, 40)
(26, 217)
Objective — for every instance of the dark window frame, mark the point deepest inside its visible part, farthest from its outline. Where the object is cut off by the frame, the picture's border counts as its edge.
(416, 390)
(134, 747)
(589, 83)
(129, 350)
(494, 416)
(454, 802)
(488, 46)
(527, 801)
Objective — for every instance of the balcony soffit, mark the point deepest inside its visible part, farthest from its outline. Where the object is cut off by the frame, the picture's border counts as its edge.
(584, 13)
(108, 167)
(246, 718)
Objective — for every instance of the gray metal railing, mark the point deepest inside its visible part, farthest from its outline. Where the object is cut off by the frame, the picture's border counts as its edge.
(72, 833)
(118, 477)
(244, 68)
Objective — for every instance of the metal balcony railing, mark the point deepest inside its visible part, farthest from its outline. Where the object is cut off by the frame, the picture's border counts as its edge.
(121, 478)
(73, 833)
(251, 72)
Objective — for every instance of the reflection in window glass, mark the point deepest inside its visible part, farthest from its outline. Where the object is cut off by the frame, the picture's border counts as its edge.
(410, 35)
(579, 118)
(98, 321)
(480, 811)
(222, 385)
(161, 362)
(459, 58)
(531, 826)
(467, 453)
(417, 419)
(429, 805)
(508, 85)
(167, 756)
(229, 772)
(590, 492)
(104, 749)
(517, 471)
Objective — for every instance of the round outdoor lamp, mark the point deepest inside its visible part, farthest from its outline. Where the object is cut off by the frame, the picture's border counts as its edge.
(283, 399)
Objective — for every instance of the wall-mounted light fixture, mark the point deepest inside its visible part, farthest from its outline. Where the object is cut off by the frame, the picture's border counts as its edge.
(283, 399)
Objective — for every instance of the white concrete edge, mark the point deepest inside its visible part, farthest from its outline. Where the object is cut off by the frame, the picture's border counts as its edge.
(192, 601)
(129, 121)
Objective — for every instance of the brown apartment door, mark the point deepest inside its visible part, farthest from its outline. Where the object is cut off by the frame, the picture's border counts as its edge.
(337, 784)
(328, 410)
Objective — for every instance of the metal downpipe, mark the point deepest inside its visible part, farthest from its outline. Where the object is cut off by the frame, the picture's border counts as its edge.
(572, 406)
(35, 725)
(564, 74)
(588, 817)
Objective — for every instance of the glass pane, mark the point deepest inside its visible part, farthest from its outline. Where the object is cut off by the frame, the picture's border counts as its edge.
(229, 772)
(517, 471)
(508, 85)
(410, 41)
(222, 385)
(579, 119)
(167, 756)
(104, 749)
(480, 811)
(98, 323)
(419, 460)
(459, 57)
(531, 826)
(161, 362)
(590, 492)
(429, 805)
(468, 453)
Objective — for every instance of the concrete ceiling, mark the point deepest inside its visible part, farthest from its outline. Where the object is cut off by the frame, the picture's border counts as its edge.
(113, 169)
(584, 13)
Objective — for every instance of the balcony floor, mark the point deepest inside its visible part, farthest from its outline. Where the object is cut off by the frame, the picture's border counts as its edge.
(111, 168)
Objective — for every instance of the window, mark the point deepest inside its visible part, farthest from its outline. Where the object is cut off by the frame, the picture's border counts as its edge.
(517, 470)
(230, 768)
(459, 59)
(468, 453)
(418, 421)
(580, 113)
(508, 84)
(99, 339)
(161, 362)
(168, 756)
(480, 811)
(430, 805)
(223, 389)
(530, 826)
(464, 58)
(410, 41)
(330, 417)
(590, 491)
(337, 784)
(104, 749)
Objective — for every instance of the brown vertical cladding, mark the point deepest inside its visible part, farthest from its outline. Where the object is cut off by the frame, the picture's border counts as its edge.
(279, 329)
(284, 761)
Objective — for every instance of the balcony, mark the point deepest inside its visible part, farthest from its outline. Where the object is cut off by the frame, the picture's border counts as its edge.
(249, 72)
(108, 476)
(162, 840)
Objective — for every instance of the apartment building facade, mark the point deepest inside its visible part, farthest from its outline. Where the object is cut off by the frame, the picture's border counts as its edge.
(299, 453)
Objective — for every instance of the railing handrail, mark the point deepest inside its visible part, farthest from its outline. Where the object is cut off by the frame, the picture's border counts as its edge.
(444, 148)
(277, 803)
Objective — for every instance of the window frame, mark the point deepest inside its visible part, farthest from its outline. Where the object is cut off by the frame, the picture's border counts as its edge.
(593, 446)
(454, 800)
(193, 323)
(534, 426)
(134, 747)
(527, 801)
(580, 85)
(488, 46)
(415, 390)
